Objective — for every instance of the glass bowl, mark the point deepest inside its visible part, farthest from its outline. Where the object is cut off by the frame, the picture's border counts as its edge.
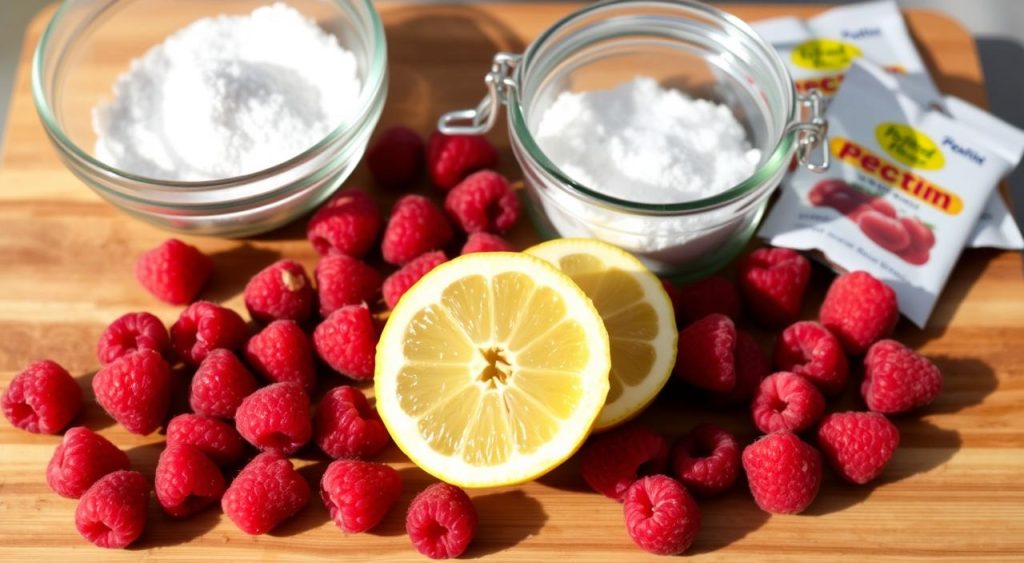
(88, 43)
(692, 47)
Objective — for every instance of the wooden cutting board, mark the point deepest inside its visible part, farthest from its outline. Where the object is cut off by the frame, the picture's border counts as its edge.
(954, 488)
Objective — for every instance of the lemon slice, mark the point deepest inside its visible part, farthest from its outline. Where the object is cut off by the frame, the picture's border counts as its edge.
(491, 369)
(637, 313)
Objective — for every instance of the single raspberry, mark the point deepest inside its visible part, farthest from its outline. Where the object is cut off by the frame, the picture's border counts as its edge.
(42, 399)
(773, 281)
(347, 426)
(82, 457)
(483, 203)
(858, 445)
(347, 341)
(706, 460)
(661, 517)
(808, 349)
(131, 332)
(416, 226)
(613, 461)
(358, 494)
(204, 327)
(859, 310)
(265, 493)
(441, 521)
(220, 384)
(897, 379)
(282, 352)
(450, 158)
(276, 418)
(485, 242)
(281, 291)
(112, 513)
(135, 390)
(706, 357)
(396, 158)
(342, 280)
(705, 297)
(347, 224)
(784, 473)
(786, 401)
(218, 440)
(173, 272)
(399, 282)
(186, 480)
(751, 367)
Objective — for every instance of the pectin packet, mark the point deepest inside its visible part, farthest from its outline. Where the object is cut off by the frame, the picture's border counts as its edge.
(818, 51)
(906, 186)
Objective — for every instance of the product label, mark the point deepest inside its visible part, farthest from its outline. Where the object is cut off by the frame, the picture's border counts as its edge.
(824, 54)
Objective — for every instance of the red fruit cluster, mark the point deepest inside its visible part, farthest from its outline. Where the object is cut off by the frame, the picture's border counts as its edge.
(906, 237)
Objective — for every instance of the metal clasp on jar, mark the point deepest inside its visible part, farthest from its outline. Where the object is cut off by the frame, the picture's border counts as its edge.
(811, 130)
(482, 118)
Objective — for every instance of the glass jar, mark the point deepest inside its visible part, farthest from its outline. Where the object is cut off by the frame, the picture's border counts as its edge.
(683, 44)
(88, 43)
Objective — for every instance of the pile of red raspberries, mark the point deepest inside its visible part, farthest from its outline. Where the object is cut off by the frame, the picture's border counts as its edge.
(251, 393)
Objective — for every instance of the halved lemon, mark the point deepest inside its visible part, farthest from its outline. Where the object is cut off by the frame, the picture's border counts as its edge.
(637, 313)
(491, 369)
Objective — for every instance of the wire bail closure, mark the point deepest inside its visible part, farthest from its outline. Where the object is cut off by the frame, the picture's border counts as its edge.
(811, 130)
(479, 120)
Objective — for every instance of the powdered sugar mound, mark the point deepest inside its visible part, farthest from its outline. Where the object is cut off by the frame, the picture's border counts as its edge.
(227, 96)
(643, 143)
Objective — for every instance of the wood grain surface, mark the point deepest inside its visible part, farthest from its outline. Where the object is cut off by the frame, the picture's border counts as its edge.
(953, 490)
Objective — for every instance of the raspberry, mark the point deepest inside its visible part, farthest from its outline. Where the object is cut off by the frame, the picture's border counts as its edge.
(897, 379)
(131, 332)
(265, 493)
(705, 297)
(485, 242)
(612, 462)
(358, 494)
(347, 224)
(773, 281)
(751, 367)
(173, 272)
(441, 521)
(220, 384)
(42, 399)
(276, 418)
(707, 460)
(186, 480)
(483, 202)
(82, 457)
(399, 282)
(347, 426)
(281, 291)
(203, 327)
(859, 310)
(661, 517)
(808, 349)
(784, 473)
(858, 445)
(396, 158)
(450, 158)
(786, 401)
(342, 280)
(135, 390)
(706, 353)
(416, 226)
(347, 341)
(218, 440)
(112, 513)
(282, 352)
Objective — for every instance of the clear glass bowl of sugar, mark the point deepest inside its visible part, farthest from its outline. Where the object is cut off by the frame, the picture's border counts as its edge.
(231, 175)
(642, 69)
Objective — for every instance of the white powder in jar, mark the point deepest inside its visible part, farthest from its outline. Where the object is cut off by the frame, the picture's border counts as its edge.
(227, 96)
(644, 143)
